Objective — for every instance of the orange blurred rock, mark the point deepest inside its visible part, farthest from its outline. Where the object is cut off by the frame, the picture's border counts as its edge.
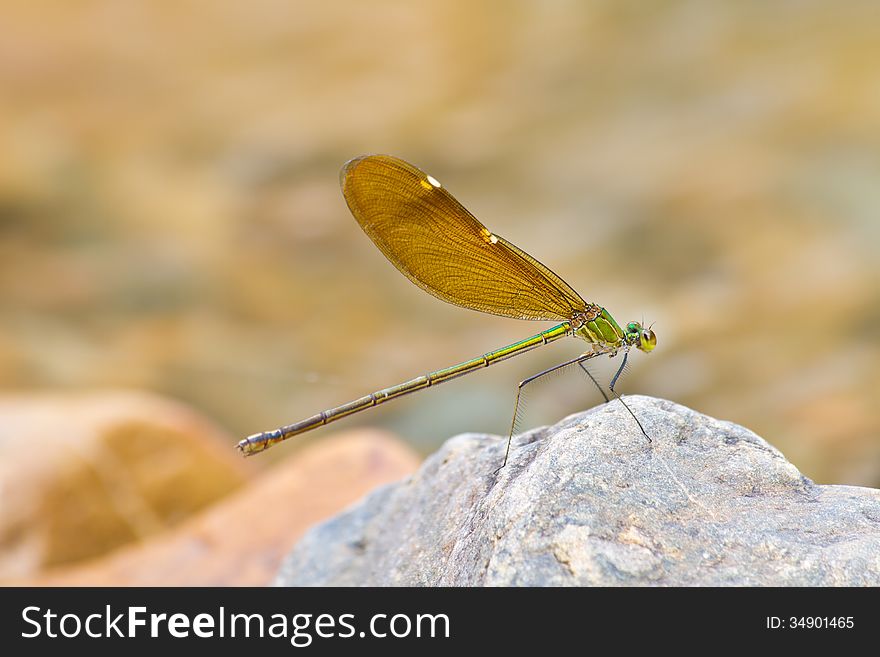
(242, 540)
(83, 474)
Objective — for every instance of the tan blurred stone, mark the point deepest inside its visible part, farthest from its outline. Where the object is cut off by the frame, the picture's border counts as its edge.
(242, 540)
(83, 474)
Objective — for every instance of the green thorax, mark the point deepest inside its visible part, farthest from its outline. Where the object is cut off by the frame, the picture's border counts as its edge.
(601, 330)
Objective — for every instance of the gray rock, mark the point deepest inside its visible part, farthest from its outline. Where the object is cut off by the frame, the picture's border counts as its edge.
(590, 501)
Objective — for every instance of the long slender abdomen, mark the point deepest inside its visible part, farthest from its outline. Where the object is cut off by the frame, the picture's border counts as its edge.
(259, 442)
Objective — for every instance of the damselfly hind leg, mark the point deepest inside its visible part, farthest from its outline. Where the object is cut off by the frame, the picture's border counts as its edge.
(522, 384)
(580, 360)
(593, 379)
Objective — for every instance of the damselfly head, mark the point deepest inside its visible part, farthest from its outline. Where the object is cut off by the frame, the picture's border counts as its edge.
(640, 337)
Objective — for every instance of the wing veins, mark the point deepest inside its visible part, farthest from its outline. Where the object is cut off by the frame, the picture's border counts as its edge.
(441, 247)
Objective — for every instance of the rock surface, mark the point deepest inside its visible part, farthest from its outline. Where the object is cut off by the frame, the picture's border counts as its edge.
(590, 501)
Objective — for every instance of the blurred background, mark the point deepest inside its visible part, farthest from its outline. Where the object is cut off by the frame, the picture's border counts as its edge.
(171, 221)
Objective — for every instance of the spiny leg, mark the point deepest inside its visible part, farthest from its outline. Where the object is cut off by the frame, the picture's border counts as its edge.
(593, 379)
(580, 359)
(616, 394)
(620, 371)
(521, 389)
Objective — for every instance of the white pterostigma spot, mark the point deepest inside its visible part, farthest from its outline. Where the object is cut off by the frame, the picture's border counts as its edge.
(433, 181)
(489, 237)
